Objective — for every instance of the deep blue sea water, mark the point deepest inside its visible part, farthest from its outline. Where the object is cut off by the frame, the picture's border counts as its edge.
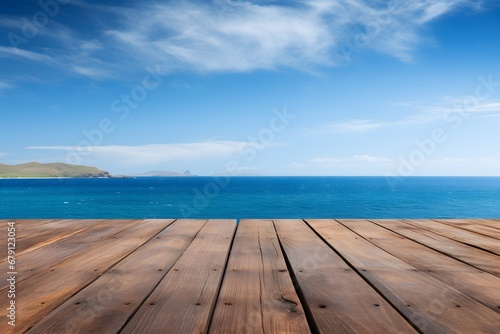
(251, 197)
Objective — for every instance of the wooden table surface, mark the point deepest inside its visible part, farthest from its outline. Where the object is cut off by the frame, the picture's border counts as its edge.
(258, 276)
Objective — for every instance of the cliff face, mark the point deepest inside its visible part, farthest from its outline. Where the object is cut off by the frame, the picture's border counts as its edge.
(36, 169)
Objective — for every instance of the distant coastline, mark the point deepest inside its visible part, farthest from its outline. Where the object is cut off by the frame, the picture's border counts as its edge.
(50, 170)
(56, 170)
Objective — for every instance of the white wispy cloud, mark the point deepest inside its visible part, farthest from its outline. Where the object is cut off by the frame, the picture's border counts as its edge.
(360, 164)
(17, 53)
(449, 104)
(233, 36)
(157, 153)
(364, 158)
(251, 36)
(90, 71)
(77, 59)
(10, 22)
(485, 107)
(423, 113)
(354, 125)
(5, 85)
(323, 160)
(68, 50)
(365, 125)
(225, 35)
(371, 158)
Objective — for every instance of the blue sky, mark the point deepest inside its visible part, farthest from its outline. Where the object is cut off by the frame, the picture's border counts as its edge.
(395, 88)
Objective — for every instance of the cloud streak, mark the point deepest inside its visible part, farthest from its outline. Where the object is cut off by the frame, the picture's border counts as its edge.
(425, 113)
(152, 154)
(5, 85)
(353, 126)
(362, 158)
(245, 37)
(248, 35)
(16, 53)
(233, 36)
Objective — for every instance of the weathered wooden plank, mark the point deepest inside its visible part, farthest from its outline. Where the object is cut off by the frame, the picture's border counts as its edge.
(434, 307)
(29, 225)
(29, 236)
(40, 294)
(105, 305)
(257, 294)
(184, 300)
(23, 228)
(94, 297)
(338, 299)
(473, 226)
(493, 223)
(22, 224)
(30, 231)
(473, 256)
(475, 283)
(32, 238)
(54, 251)
(474, 239)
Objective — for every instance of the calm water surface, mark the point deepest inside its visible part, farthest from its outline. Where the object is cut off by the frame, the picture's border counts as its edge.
(250, 197)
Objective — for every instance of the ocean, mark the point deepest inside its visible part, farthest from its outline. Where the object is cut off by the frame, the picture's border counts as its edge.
(251, 197)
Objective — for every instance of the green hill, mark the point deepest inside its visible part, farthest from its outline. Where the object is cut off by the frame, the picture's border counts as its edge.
(36, 169)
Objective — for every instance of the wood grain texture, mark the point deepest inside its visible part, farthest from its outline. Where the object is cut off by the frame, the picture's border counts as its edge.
(40, 294)
(343, 276)
(25, 228)
(473, 226)
(430, 304)
(475, 283)
(474, 239)
(455, 249)
(493, 223)
(184, 300)
(339, 300)
(105, 305)
(31, 262)
(30, 236)
(257, 294)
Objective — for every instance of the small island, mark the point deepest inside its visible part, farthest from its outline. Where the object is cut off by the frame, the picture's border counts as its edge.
(48, 170)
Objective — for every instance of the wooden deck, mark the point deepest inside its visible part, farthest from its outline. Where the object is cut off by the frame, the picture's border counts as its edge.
(260, 276)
